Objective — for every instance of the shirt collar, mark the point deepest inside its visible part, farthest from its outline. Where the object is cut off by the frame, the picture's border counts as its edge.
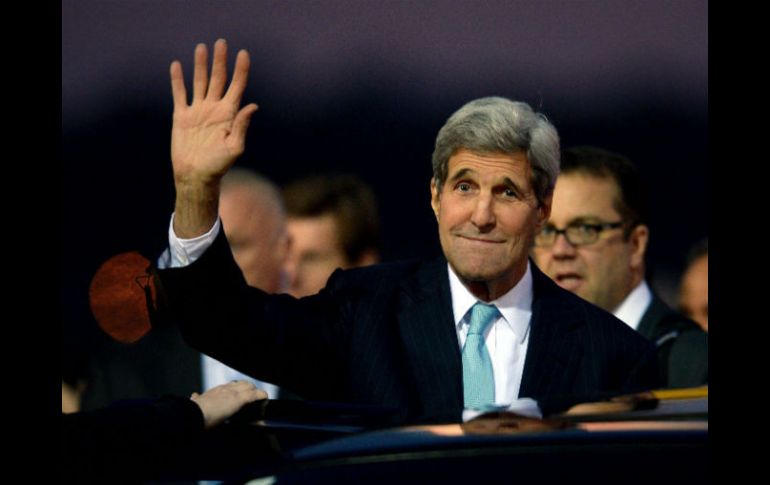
(515, 306)
(632, 308)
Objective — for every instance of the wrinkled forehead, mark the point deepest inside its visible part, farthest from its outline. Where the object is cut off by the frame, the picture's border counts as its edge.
(494, 165)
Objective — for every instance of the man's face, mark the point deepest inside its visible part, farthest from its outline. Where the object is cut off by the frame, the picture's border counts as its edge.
(487, 217)
(314, 253)
(694, 295)
(601, 272)
(257, 237)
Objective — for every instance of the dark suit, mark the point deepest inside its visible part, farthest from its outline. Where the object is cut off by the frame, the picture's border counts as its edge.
(683, 345)
(159, 363)
(385, 335)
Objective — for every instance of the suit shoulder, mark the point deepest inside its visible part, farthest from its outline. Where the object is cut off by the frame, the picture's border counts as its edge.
(601, 320)
(551, 294)
(661, 318)
(375, 275)
(390, 268)
(693, 338)
(601, 316)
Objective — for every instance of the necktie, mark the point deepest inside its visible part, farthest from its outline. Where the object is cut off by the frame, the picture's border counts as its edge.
(478, 377)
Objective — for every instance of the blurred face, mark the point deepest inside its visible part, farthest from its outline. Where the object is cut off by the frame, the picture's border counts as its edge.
(256, 233)
(694, 294)
(487, 217)
(315, 252)
(603, 272)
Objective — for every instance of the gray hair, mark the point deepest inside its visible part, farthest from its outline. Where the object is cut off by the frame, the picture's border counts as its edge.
(498, 125)
(269, 194)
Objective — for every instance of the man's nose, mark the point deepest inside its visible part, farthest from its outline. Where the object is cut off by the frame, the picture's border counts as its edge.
(562, 248)
(483, 215)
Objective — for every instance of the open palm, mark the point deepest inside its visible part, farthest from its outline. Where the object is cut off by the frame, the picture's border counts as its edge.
(208, 134)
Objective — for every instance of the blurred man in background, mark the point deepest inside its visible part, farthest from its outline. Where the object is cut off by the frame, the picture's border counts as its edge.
(333, 223)
(694, 287)
(254, 220)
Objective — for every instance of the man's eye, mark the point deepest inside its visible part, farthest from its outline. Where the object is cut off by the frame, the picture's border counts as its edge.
(509, 193)
(464, 187)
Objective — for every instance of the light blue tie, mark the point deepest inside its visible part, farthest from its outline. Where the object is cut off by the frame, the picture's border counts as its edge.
(478, 377)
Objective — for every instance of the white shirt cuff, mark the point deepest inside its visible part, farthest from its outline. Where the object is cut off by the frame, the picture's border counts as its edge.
(183, 252)
(524, 406)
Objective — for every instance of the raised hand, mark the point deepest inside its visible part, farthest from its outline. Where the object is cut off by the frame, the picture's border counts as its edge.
(207, 135)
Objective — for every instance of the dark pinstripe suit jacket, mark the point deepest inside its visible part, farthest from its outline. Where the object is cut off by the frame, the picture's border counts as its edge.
(385, 335)
(682, 345)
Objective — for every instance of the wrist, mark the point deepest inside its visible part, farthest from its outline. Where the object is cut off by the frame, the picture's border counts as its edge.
(195, 209)
(197, 182)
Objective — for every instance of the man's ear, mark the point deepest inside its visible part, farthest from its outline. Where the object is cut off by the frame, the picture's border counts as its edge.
(638, 239)
(544, 211)
(435, 199)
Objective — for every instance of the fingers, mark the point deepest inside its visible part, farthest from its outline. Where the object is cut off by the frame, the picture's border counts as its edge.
(241, 125)
(218, 70)
(201, 75)
(177, 86)
(252, 393)
(213, 88)
(240, 76)
(246, 391)
(259, 394)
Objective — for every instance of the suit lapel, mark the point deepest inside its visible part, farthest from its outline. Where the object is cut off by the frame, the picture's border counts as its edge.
(428, 334)
(650, 318)
(652, 325)
(554, 350)
(430, 341)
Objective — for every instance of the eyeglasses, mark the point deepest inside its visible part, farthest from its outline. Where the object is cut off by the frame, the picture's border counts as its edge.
(577, 234)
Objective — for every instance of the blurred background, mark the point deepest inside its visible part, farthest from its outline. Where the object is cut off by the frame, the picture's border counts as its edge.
(363, 87)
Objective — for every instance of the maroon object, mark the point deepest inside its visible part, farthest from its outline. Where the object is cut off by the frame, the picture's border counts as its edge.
(120, 293)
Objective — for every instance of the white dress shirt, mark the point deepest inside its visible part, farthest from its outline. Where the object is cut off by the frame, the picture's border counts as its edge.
(632, 308)
(216, 373)
(507, 338)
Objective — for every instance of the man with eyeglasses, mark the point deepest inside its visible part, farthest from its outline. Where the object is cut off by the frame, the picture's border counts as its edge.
(594, 245)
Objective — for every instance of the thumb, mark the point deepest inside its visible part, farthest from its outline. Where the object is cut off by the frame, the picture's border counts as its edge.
(241, 124)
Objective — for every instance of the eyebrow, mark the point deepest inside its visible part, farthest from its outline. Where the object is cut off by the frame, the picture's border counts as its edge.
(466, 171)
(508, 182)
(589, 219)
(460, 174)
